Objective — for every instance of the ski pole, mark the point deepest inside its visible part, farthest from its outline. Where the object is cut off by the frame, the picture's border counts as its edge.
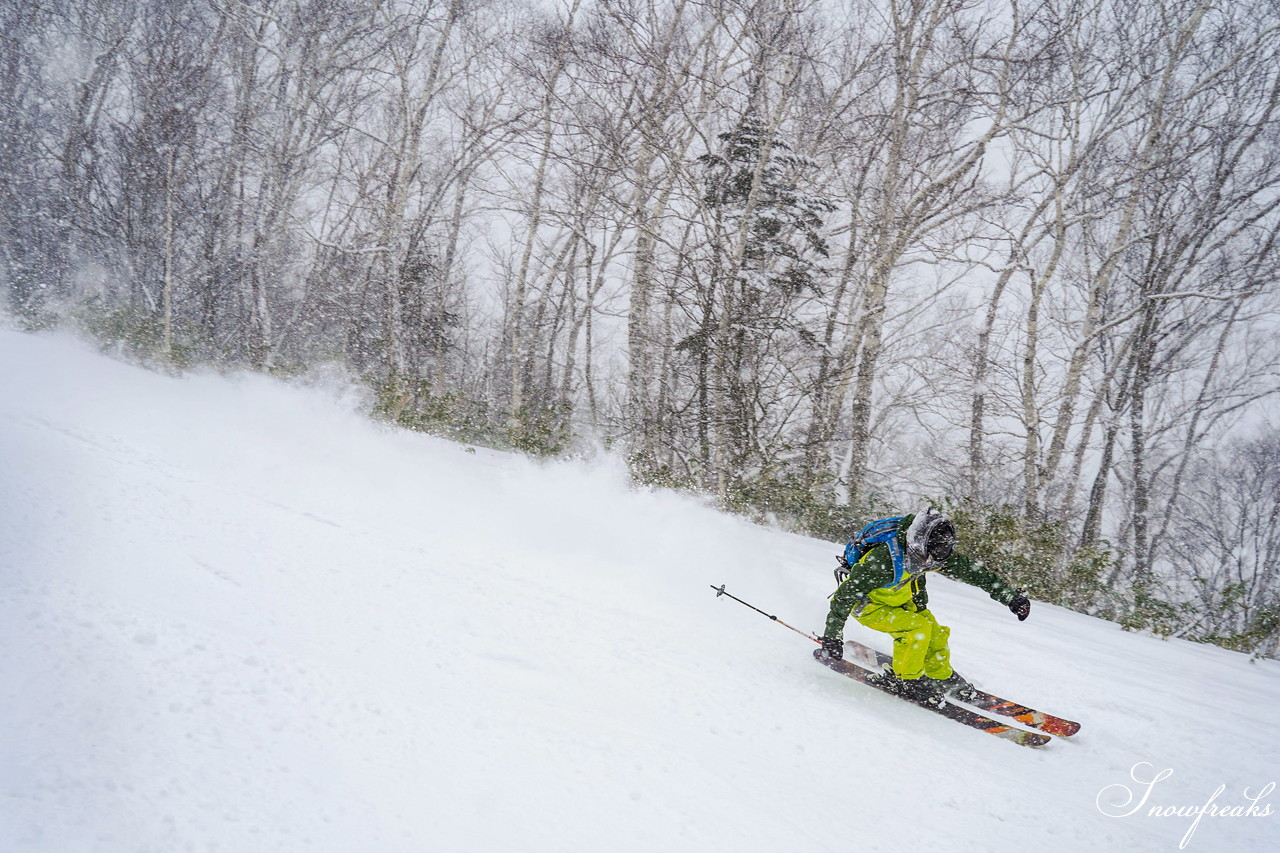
(720, 591)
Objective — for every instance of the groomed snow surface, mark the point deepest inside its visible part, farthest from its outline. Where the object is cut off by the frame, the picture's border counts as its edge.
(237, 615)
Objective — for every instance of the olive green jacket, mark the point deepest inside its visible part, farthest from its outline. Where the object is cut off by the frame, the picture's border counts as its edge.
(869, 583)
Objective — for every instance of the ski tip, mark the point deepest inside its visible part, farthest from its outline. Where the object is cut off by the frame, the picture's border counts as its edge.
(1021, 737)
(1033, 740)
(1059, 727)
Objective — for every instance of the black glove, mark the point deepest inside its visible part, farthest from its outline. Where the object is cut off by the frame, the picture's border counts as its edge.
(832, 649)
(1020, 605)
(842, 570)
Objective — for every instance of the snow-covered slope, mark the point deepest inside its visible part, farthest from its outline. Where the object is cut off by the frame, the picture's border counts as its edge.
(236, 615)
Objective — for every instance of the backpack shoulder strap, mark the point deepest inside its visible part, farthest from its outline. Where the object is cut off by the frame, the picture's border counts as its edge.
(899, 560)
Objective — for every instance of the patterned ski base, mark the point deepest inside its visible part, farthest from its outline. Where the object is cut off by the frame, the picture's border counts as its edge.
(983, 701)
(952, 712)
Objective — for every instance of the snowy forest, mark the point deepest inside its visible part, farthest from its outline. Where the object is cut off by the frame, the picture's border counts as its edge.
(818, 261)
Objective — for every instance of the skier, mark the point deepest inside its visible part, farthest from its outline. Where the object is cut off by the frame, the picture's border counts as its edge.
(885, 590)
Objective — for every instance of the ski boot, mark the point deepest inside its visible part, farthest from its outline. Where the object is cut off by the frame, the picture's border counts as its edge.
(956, 686)
(922, 691)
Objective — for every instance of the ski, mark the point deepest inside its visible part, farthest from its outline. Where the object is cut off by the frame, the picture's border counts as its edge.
(982, 700)
(948, 710)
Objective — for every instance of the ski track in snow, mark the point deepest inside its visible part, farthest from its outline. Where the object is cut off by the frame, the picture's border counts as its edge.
(236, 615)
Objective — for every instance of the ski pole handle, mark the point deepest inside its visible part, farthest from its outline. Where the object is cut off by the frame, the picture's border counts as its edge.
(721, 591)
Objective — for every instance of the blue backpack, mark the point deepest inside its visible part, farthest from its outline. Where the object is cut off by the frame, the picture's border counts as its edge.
(882, 532)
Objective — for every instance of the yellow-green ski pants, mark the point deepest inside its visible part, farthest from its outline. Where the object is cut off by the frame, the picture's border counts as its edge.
(919, 642)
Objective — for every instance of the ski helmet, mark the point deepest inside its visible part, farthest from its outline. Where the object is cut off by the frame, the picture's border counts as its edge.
(931, 536)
